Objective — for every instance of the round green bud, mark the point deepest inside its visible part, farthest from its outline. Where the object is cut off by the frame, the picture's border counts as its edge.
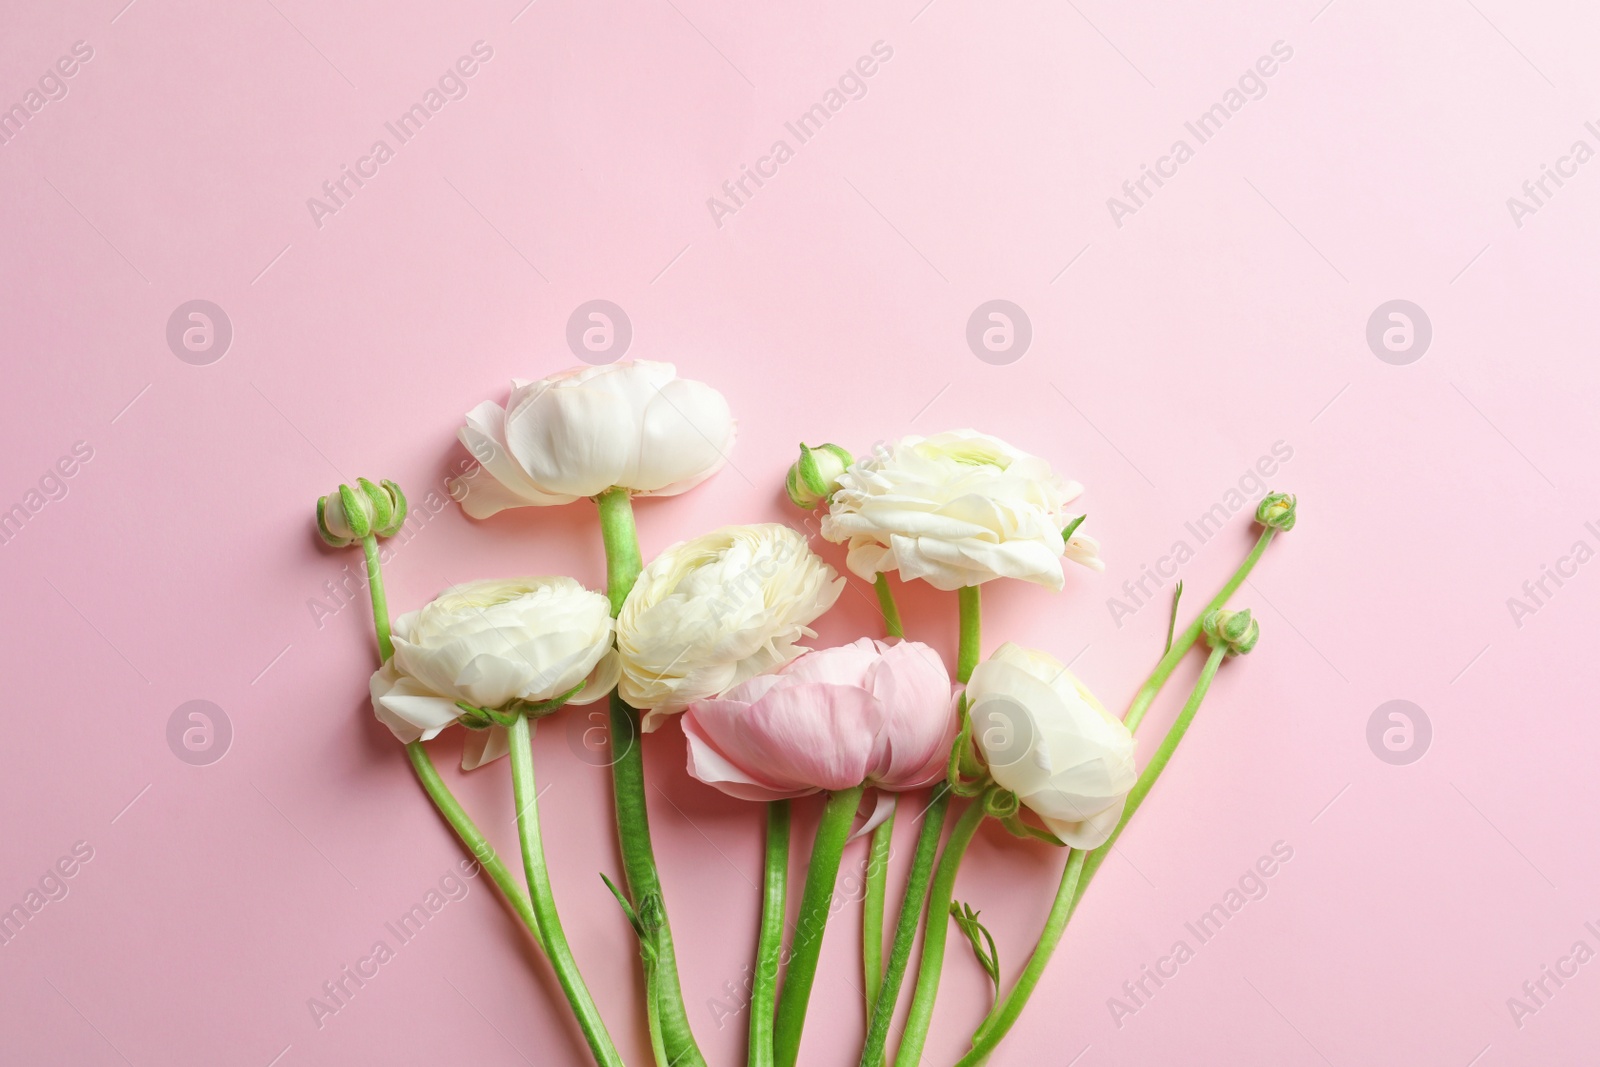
(815, 475)
(1235, 631)
(1277, 511)
(351, 513)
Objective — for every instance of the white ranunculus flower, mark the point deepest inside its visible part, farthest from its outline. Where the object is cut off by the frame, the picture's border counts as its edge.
(578, 433)
(710, 613)
(488, 644)
(1048, 740)
(956, 509)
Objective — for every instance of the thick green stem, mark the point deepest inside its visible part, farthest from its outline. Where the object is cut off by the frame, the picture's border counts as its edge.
(934, 935)
(1152, 686)
(621, 538)
(544, 905)
(905, 931)
(891, 610)
(380, 600)
(872, 907)
(815, 903)
(769, 943)
(1080, 871)
(623, 565)
(971, 630)
(473, 838)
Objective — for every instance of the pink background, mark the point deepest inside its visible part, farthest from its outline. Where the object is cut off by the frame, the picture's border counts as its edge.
(1169, 353)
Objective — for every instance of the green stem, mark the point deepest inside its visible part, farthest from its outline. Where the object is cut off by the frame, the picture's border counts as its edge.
(815, 903)
(380, 600)
(905, 931)
(621, 538)
(623, 565)
(873, 907)
(473, 838)
(1005, 1013)
(544, 905)
(1152, 686)
(428, 774)
(1080, 871)
(769, 943)
(891, 611)
(934, 936)
(971, 629)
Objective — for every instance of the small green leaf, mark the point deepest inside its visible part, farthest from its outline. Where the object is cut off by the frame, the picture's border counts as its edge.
(1172, 620)
(1066, 534)
(982, 942)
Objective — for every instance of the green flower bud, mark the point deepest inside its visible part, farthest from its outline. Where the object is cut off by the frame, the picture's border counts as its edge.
(349, 514)
(1277, 510)
(815, 475)
(1237, 631)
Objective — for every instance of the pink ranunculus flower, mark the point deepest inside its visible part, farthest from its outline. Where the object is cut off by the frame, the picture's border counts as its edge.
(867, 712)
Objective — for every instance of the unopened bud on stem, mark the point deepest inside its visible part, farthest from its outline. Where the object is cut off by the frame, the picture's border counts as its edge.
(815, 475)
(1235, 631)
(351, 513)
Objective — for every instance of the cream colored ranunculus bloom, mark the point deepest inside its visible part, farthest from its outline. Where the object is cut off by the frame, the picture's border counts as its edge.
(956, 509)
(489, 644)
(1047, 739)
(710, 613)
(636, 425)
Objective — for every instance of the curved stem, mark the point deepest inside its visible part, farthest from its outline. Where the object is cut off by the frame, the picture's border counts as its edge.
(934, 935)
(428, 774)
(891, 611)
(815, 903)
(1081, 868)
(769, 943)
(544, 905)
(872, 908)
(971, 628)
(905, 931)
(380, 600)
(1005, 1013)
(623, 564)
(473, 838)
(1191, 633)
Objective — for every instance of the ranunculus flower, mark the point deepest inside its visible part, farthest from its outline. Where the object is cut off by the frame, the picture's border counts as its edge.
(1048, 740)
(957, 509)
(710, 613)
(868, 712)
(578, 433)
(491, 643)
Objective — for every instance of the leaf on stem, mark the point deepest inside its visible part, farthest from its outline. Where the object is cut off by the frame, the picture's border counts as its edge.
(1172, 620)
(982, 942)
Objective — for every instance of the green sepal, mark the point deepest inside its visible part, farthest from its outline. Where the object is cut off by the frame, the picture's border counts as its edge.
(322, 525)
(397, 510)
(355, 513)
(1072, 527)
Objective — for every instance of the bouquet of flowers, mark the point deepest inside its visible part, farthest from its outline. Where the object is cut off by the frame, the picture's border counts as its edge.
(707, 637)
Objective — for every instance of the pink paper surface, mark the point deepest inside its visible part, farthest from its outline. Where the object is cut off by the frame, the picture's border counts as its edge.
(1179, 337)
